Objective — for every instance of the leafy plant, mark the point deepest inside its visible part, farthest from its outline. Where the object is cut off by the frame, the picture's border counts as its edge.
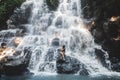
(52, 4)
(6, 10)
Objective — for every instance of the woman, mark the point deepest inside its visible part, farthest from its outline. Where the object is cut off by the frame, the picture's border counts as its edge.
(63, 52)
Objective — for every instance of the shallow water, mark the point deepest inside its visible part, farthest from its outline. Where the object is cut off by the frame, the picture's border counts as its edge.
(59, 77)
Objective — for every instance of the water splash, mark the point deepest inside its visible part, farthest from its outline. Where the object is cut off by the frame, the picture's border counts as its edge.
(67, 25)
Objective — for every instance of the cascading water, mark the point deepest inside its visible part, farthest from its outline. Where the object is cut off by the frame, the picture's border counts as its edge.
(67, 25)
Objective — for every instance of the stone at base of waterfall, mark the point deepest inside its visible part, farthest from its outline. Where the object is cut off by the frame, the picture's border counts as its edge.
(84, 72)
(70, 66)
(101, 56)
(15, 65)
(116, 67)
(115, 64)
(14, 69)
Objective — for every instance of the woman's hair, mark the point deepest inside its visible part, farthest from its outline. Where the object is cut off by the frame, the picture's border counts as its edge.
(63, 46)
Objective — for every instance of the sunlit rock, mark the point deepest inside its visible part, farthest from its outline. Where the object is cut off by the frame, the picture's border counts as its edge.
(18, 40)
(17, 64)
(113, 18)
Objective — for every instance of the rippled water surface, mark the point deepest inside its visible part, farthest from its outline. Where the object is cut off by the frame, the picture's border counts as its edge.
(59, 77)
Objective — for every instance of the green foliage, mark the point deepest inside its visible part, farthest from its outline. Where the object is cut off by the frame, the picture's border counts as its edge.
(2, 10)
(52, 4)
(6, 10)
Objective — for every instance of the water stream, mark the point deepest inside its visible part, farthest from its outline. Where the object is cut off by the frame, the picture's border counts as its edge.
(65, 23)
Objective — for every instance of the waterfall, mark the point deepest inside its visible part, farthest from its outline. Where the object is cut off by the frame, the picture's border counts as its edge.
(65, 24)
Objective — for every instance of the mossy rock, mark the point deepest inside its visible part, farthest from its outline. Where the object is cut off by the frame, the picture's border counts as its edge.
(52, 4)
(7, 8)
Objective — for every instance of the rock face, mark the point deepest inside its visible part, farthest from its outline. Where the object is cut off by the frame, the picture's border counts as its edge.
(70, 66)
(20, 17)
(100, 9)
(15, 65)
(101, 56)
(6, 10)
(105, 31)
(52, 4)
(115, 64)
(55, 42)
(109, 39)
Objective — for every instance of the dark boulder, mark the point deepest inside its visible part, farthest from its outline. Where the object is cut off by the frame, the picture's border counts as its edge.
(70, 66)
(50, 54)
(98, 35)
(102, 57)
(16, 65)
(84, 72)
(11, 33)
(20, 17)
(7, 8)
(50, 58)
(115, 64)
(105, 31)
(52, 4)
(100, 9)
(107, 34)
(116, 67)
(67, 67)
(56, 42)
(12, 69)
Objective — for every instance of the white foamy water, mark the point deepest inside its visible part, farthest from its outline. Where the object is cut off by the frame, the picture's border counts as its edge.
(66, 24)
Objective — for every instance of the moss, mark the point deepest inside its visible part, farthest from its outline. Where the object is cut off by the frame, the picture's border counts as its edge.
(2, 11)
(6, 10)
(52, 4)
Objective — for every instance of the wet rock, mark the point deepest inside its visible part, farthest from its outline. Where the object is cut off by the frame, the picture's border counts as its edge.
(101, 56)
(100, 9)
(110, 42)
(7, 11)
(52, 4)
(70, 66)
(98, 35)
(55, 42)
(50, 54)
(47, 67)
(16, 65)
(84, 72)
(116, 67)
(49, 64)
(11, 33)
(20, 17)
(105, 31)
(1, 70)
(14, 69)
(115, 64)
(59, 22)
